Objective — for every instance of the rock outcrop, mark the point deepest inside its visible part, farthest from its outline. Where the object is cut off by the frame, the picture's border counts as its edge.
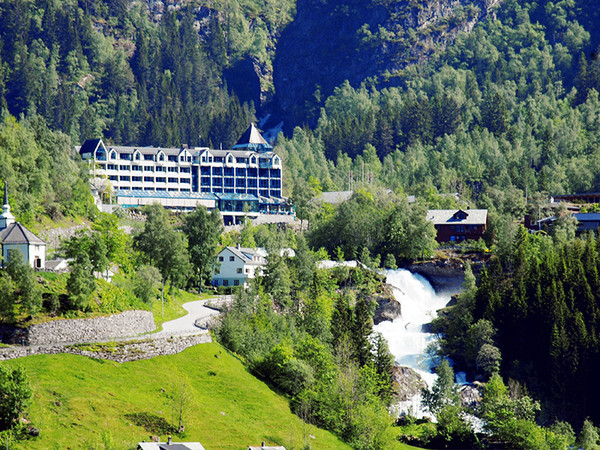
(407, 383)
(445, 276)
(388, 308)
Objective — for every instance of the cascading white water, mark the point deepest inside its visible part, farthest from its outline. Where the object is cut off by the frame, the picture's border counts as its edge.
(406, 338)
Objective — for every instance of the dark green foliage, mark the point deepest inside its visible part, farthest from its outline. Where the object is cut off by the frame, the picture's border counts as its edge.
(383, 361)
(15, 393)
(535, 317)
(321, 352)
(277, 279)
(511, 420)
(443, 391)
(452, 430)
(588, 437)
(27, 292)
(202, 230)
(7, 288)
(81, 283)
(90, 245)
(146, 280)
(126, 82)
(373, 223)
(44, 175)
(164, 248)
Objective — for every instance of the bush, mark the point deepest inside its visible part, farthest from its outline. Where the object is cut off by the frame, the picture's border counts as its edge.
(15, 393)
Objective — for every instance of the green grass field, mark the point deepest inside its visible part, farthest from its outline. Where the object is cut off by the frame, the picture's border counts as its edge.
(80, 402)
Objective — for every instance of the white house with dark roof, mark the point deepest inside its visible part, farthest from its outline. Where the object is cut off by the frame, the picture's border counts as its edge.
(236, 265)
(14, 236)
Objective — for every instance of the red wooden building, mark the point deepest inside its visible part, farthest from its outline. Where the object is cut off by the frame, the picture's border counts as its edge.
(457, 225)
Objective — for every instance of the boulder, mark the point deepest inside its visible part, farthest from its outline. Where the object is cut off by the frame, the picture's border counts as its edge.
(388, 308)
(407, 382)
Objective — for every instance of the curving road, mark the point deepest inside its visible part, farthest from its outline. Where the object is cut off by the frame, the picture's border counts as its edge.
(186, 324)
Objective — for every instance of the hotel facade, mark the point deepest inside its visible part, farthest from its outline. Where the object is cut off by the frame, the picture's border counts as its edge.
(243, 181)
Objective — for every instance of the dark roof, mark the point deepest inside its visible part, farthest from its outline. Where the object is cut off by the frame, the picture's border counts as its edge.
(173, 447)
(16, 233)
(252, 139)
(147, 150)
(90, 146)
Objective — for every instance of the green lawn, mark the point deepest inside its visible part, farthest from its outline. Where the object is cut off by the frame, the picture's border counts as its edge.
(80, 402)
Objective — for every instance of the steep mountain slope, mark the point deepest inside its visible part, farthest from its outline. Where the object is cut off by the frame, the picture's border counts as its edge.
(332, 40)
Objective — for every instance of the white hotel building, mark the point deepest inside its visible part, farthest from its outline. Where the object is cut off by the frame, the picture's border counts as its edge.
(246, 180)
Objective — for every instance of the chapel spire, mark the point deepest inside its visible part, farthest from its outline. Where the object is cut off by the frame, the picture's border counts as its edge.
(6, 218)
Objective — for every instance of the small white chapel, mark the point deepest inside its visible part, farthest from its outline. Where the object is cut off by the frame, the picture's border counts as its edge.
(14, 236)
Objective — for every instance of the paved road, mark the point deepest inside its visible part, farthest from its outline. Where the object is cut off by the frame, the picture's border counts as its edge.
(185, 325)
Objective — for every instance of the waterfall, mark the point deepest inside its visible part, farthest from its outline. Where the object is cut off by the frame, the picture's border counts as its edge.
(406, 337)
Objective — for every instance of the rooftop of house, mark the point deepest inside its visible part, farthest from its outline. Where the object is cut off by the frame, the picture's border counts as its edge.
(457, 216)
(335, 197)
(16, 233)
(247, 255)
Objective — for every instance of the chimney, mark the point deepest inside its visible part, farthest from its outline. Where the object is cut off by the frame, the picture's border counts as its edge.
(238, 246)
(169, 440)
(262, 444)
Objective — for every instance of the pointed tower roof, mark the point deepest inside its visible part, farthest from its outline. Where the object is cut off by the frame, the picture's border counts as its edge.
(6, 218)
(253, 140)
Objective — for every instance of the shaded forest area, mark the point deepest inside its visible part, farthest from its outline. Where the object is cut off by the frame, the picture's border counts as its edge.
(95, 69)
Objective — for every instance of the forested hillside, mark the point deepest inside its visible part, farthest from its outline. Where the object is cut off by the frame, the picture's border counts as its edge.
(132, 74)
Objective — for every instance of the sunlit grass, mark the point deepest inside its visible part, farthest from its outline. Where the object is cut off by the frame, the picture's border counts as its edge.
(80, 402)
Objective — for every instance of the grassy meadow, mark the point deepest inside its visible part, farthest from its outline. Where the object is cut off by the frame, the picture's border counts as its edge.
(81, 402)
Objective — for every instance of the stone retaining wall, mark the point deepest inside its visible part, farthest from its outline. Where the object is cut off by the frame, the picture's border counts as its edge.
(115, 351)
(128, 323)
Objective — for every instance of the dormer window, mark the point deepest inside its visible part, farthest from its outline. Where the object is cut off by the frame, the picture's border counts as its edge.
(459, 215)
(161, 157)
(137, 156)
(253, 160)
(113, 155)
(276, 160)
(230, 159)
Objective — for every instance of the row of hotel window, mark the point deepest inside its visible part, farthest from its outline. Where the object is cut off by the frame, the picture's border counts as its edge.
(146, 168)
(206, 181)
(261, 192)
(217, 171)
(101, 156)
(149, 179)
